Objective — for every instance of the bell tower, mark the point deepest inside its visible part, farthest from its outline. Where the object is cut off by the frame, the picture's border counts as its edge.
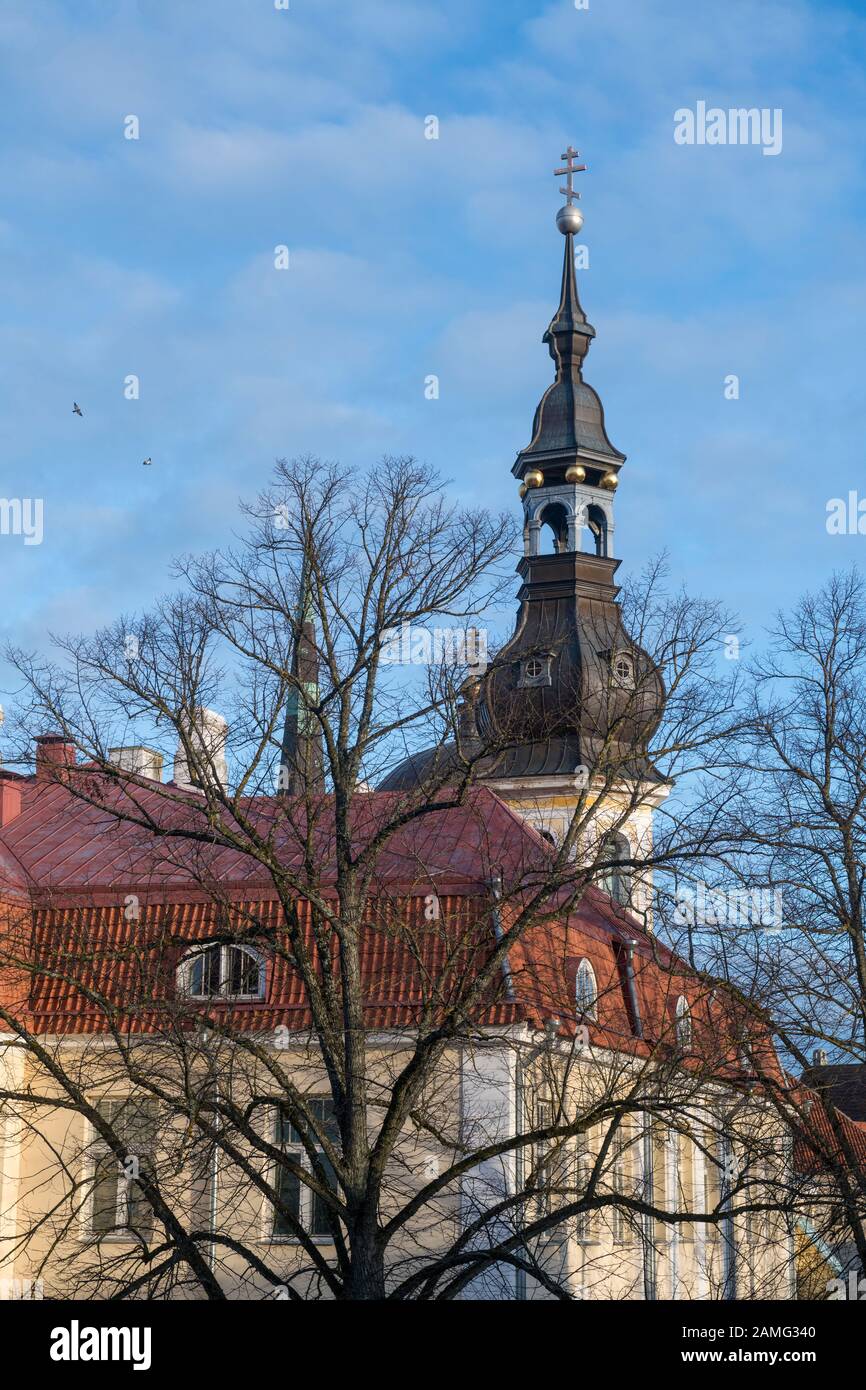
(569, 470)
(569, 706)
(562, 719)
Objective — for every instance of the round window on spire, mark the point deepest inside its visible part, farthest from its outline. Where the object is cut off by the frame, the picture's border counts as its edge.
(623, 670)
(534, 671)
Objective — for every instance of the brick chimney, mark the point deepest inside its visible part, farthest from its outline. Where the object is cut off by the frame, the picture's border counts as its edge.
(10, 797)
(53, 752)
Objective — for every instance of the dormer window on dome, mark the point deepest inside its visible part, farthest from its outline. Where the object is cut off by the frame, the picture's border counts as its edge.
(535, 671)
(623, 669)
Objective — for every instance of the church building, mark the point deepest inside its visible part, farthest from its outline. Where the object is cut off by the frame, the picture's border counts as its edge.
(592, 1128)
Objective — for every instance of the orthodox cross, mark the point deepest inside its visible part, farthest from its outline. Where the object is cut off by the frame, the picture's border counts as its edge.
(570, 169)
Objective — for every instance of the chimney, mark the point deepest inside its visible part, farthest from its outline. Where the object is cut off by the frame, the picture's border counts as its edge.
(819, 1057)
(53, 752)
(10, 798)
(208, 733)
(143, 762)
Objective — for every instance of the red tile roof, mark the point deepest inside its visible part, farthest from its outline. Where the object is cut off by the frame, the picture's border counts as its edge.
(820, 1147)
(79, 862)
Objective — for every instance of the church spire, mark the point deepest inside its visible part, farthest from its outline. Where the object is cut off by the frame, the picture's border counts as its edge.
(571, 695)
(569, 333)
(301, 764)
(569, 446)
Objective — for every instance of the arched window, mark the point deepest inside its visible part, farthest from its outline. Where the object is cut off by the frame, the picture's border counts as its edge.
(615, 876)
(586, 991)
(684, 1023)
(218, 971)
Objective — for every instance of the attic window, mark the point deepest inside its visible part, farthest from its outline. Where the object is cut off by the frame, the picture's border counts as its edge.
(586, 991)
(535, 671)
(684, 1023)
(222, 972)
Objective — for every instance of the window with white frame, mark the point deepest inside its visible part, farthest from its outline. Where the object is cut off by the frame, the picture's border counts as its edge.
(683, 1023)
(535, 671)
(223, 970)
(758, 1222)
(585, 1225)
(664, 1176)
(713, 1182)
(119, 1205)
(686, 1195)
(586, 991)
(623, 670)
(623, 1183)
(541, 1159)
(307, 1208)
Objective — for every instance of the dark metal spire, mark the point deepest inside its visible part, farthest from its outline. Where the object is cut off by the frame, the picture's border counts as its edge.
(301, 764)
(569, 332)
(568, 429)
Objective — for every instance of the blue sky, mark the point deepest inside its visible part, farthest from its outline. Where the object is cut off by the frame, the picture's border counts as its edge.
(410, 256)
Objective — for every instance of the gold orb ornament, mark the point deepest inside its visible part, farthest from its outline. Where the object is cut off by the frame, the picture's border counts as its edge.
(522, 490)
(610, 480)
(575, 473)
(534, 478)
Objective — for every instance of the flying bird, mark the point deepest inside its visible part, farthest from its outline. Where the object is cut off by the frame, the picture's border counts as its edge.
(76, 408)
(145, 462)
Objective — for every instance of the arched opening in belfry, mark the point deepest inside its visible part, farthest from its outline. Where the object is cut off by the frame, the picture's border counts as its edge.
(554, 530)
(597, 523)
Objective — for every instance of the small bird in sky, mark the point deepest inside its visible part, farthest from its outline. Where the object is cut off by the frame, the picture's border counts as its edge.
(145, 462)
(76, 408)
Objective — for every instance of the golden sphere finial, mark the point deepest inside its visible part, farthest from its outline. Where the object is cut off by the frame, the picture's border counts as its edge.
(534, 478)
(575, 473)
(610, 480)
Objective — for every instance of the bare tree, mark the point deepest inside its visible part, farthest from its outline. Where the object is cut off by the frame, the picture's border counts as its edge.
(341, 1113)
(779, 911)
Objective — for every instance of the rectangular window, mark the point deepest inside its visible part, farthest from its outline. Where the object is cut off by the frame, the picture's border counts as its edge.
(685, 1180)
(586, 1225)
(119, 1203)
(661, 1149)
(623, 1184)
(712, 1194)
(541, 1158)
(757, 1222)
(307, 1207)
(712, 1178)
